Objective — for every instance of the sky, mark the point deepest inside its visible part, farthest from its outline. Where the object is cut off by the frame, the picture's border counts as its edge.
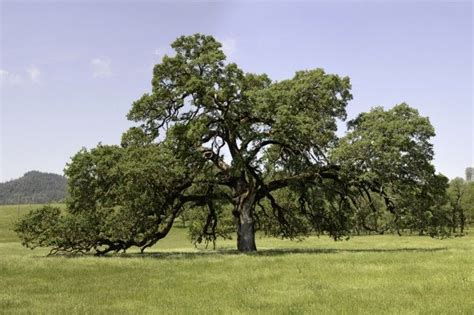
(69, 71)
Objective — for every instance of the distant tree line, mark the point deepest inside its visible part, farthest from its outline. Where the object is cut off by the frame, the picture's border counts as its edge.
(34, 187)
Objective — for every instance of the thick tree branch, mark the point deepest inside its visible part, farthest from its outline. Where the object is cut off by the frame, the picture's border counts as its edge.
(329, 172)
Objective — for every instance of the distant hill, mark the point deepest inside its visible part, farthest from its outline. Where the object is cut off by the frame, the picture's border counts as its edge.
(34, 187)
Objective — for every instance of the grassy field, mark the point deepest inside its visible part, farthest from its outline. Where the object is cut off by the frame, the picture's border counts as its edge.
(368, 274)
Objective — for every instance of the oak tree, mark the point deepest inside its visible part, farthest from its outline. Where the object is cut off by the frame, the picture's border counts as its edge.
(234, 147)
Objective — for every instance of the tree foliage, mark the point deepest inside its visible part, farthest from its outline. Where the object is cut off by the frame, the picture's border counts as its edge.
(238, 152)
(461, 204)
(389, 153)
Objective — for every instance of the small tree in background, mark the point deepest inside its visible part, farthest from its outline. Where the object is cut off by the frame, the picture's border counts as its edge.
(469, 174)
(461, 200)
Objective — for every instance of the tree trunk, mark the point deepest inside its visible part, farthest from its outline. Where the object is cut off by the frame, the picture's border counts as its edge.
(246, 236)
(463, 222)
(243, 213)
(453, 220)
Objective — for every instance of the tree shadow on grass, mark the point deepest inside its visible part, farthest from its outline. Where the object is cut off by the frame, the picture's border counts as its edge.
(267, 252)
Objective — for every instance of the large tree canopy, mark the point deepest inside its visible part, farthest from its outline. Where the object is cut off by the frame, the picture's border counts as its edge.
(219, 143)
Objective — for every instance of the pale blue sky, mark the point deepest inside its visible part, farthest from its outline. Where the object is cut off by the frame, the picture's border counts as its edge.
(69, 72)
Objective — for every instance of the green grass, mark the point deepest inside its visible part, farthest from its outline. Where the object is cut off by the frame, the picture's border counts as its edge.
(368, 274)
